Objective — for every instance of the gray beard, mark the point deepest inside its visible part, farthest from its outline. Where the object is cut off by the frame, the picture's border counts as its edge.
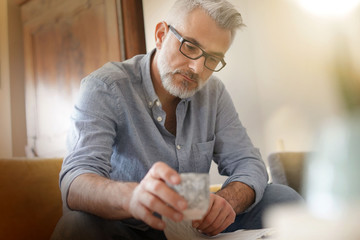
(180, 90)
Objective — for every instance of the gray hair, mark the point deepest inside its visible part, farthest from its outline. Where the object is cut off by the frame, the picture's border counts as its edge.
(221, 11)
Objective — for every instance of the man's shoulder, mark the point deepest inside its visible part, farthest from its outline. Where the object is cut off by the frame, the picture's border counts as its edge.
(215, 82)
(213, 86)
(112, 72)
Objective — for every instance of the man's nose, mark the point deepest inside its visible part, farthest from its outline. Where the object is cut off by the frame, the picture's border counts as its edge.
(197, 65)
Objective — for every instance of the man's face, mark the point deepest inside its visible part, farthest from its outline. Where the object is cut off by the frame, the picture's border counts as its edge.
(181, 76)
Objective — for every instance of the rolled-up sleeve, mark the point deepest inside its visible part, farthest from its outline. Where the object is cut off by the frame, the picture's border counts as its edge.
(91, 135)
(234, 152)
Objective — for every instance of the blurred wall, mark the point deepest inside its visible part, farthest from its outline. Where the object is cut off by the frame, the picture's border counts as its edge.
(279, 72)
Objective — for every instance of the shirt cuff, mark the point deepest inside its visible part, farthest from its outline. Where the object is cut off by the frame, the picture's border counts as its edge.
(258, 186)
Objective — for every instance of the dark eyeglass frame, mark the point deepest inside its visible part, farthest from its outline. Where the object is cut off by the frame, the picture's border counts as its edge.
(205, 54)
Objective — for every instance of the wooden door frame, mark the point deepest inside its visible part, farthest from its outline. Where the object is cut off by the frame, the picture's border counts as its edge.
(133, 28)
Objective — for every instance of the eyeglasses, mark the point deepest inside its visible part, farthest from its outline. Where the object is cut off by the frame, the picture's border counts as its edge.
(193, 51)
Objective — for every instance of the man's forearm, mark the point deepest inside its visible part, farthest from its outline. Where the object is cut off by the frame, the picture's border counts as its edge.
(100, 196)
(239, 195)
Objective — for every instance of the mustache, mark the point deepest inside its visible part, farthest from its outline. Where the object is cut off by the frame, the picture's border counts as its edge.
(188, 74)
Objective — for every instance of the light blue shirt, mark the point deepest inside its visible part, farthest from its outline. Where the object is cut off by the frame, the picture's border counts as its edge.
(118, 130)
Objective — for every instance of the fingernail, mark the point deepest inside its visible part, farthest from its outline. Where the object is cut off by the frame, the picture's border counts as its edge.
(174, 179)
(182, 204)
(177, 216)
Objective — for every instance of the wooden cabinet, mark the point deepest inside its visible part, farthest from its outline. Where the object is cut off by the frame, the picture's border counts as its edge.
(65, 40)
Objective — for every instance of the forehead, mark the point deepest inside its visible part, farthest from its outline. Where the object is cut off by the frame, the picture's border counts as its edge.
(200, 27)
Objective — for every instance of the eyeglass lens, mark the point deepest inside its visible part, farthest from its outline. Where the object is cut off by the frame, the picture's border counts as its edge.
(194, 52)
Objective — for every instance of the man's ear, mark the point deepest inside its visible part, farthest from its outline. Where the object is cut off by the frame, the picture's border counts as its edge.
(161, 30)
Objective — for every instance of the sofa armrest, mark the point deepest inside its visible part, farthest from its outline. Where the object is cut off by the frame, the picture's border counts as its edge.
(30, 200)
(288, 168)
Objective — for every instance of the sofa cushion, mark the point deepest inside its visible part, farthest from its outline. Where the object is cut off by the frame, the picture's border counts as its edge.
(30, 201)
(288, 168)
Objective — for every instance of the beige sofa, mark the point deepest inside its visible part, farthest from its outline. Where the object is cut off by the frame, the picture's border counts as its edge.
(30, 200)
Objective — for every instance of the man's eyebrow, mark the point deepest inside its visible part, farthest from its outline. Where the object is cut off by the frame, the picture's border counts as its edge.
(216, 54)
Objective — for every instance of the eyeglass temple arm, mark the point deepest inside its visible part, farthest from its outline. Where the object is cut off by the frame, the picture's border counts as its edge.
(177, 35)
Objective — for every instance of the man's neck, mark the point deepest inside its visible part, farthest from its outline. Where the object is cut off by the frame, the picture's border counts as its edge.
(168, 101)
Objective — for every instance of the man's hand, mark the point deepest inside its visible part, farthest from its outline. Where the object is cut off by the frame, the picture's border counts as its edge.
(234, 199)
(218, 217)
(154, 195)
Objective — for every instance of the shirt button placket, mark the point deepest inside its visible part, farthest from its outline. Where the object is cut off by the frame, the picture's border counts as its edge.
(179, 154)
(157, 113)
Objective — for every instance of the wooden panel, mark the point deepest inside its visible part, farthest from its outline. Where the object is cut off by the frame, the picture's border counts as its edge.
(62, 45)
(133, 26)
(17, 83)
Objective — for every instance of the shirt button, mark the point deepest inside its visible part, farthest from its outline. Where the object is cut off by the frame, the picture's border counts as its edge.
(150, 104)
(178, 147)
(159, 119)
(158, 103)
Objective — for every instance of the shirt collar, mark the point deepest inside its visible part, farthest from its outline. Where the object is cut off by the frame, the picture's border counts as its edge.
(148, 86)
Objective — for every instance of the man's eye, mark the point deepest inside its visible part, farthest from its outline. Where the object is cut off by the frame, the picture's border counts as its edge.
(213, 60)
(190, 47)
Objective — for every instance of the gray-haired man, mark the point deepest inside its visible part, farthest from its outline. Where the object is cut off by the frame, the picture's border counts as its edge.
(140, 123)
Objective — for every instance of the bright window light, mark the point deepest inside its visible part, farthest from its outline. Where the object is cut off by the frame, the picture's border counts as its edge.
(329, 7)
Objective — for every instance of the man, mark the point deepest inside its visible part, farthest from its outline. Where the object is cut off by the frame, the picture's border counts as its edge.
(140, 123)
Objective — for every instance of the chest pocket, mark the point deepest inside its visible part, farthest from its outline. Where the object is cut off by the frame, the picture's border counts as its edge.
(203, 154)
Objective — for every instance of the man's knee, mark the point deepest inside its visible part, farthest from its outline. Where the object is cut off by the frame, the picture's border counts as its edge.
(278, 194)
(78, 225)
